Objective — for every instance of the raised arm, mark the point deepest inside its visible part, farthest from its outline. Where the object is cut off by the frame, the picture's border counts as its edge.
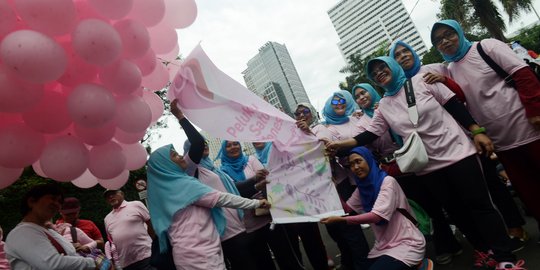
(195, 138)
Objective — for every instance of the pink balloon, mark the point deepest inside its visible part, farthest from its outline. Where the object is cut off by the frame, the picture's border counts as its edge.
(128, 138)
(21, 146)
(158, 79)
(96, 136)
(38, 170)
(132, 114)
(171, 56)
(51, 17)
(163, 38)
(180, 13)
(7, 119)
(78, 70)
(8, 20)
(97, 42)
(107, 160)
(135, 38)
(155, 103)
(147, 63)
(64, 158)
(50, 115)
(116, 182)
(149, 13)
(8, 176)
(87, 11)
(136, 155)
(123, 77)
(91, 105)
(33, 56)
(86, 180)
(112, 9)
(17, 95)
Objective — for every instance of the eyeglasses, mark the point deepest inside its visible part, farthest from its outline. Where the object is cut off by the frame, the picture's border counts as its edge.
(339, 101)
(377, 69)
(305, 111)
(448, 34)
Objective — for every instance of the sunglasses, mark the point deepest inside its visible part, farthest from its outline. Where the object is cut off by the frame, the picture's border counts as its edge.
(338, 101)
(305, 111)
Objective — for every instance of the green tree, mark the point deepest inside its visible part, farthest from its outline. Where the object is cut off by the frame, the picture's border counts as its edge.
(529, 38)
(476, 15)
(356, 65)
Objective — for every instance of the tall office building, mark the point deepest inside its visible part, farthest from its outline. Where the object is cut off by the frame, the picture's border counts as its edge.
(363, 25)
(271, 75)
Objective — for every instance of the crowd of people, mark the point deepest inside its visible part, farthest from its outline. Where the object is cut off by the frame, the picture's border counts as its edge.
(470, 118)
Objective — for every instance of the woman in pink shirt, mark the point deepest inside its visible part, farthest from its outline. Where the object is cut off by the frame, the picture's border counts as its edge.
(453, 173)
(398, 243)
(509, 113)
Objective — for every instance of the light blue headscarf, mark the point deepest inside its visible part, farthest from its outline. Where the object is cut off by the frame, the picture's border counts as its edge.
(226, 180)
(170, 190)
(331, 117)
(234, 167)
(398, 75)
(464, 44)
(370, 186)
(375, 97)
(263, 154)
(417, 63)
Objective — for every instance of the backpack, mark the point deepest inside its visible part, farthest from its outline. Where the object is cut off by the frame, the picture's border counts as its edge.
(422, 220)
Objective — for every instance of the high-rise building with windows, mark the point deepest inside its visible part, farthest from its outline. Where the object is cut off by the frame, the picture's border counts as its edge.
(364, 25)
(271, 75)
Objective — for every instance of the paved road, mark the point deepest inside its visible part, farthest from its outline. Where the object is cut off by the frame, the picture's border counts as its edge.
(531, 253)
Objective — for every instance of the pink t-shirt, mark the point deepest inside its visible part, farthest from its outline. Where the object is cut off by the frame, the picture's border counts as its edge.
(399, 238)
(444, 139)
(495, 105)
(208, 177)
(193, 235)
(342, 132)
(321, 132)
(252, 221)
(127, 228)
(64, 230)
(384, 144)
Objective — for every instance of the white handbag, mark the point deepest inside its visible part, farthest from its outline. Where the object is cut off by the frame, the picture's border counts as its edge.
(412, 156)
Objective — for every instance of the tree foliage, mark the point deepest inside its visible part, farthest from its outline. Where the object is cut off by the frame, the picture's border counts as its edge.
(529, 38)
(478, 16)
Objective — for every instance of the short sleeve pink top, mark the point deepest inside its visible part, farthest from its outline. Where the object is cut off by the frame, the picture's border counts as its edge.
(252, 221)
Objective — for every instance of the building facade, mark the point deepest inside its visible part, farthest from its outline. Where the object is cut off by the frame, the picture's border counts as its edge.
(364, 25)
(271, 74)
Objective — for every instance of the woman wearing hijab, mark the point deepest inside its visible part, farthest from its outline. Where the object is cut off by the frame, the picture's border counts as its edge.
(410, 62)
(235, 242)
(248, 169)
(182, 208)
(510, 114)
(398, 243)
(452, 174)
(338, 124)
(262, 150)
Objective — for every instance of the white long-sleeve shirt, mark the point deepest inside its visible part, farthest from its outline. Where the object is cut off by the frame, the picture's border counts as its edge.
(28, 248)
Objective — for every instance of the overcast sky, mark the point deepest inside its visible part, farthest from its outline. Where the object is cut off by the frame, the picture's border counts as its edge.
(232, 31)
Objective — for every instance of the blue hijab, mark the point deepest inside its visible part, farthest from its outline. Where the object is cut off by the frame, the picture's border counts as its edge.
(331, 117)
(263, 154)
(464, 44)
(417, 63)
(226, 180)
(398, 75)
(370, 186)
(170, 190)
(234, 167)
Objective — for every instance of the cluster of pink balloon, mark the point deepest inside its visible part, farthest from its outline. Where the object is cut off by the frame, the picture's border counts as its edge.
(76, 84)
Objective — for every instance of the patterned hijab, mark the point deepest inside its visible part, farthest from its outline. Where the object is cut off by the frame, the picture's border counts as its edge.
(331, 117)
(464, 43)
(234, 167)
(170, 190)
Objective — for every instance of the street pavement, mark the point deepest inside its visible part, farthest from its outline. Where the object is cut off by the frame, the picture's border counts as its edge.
(531, 252)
